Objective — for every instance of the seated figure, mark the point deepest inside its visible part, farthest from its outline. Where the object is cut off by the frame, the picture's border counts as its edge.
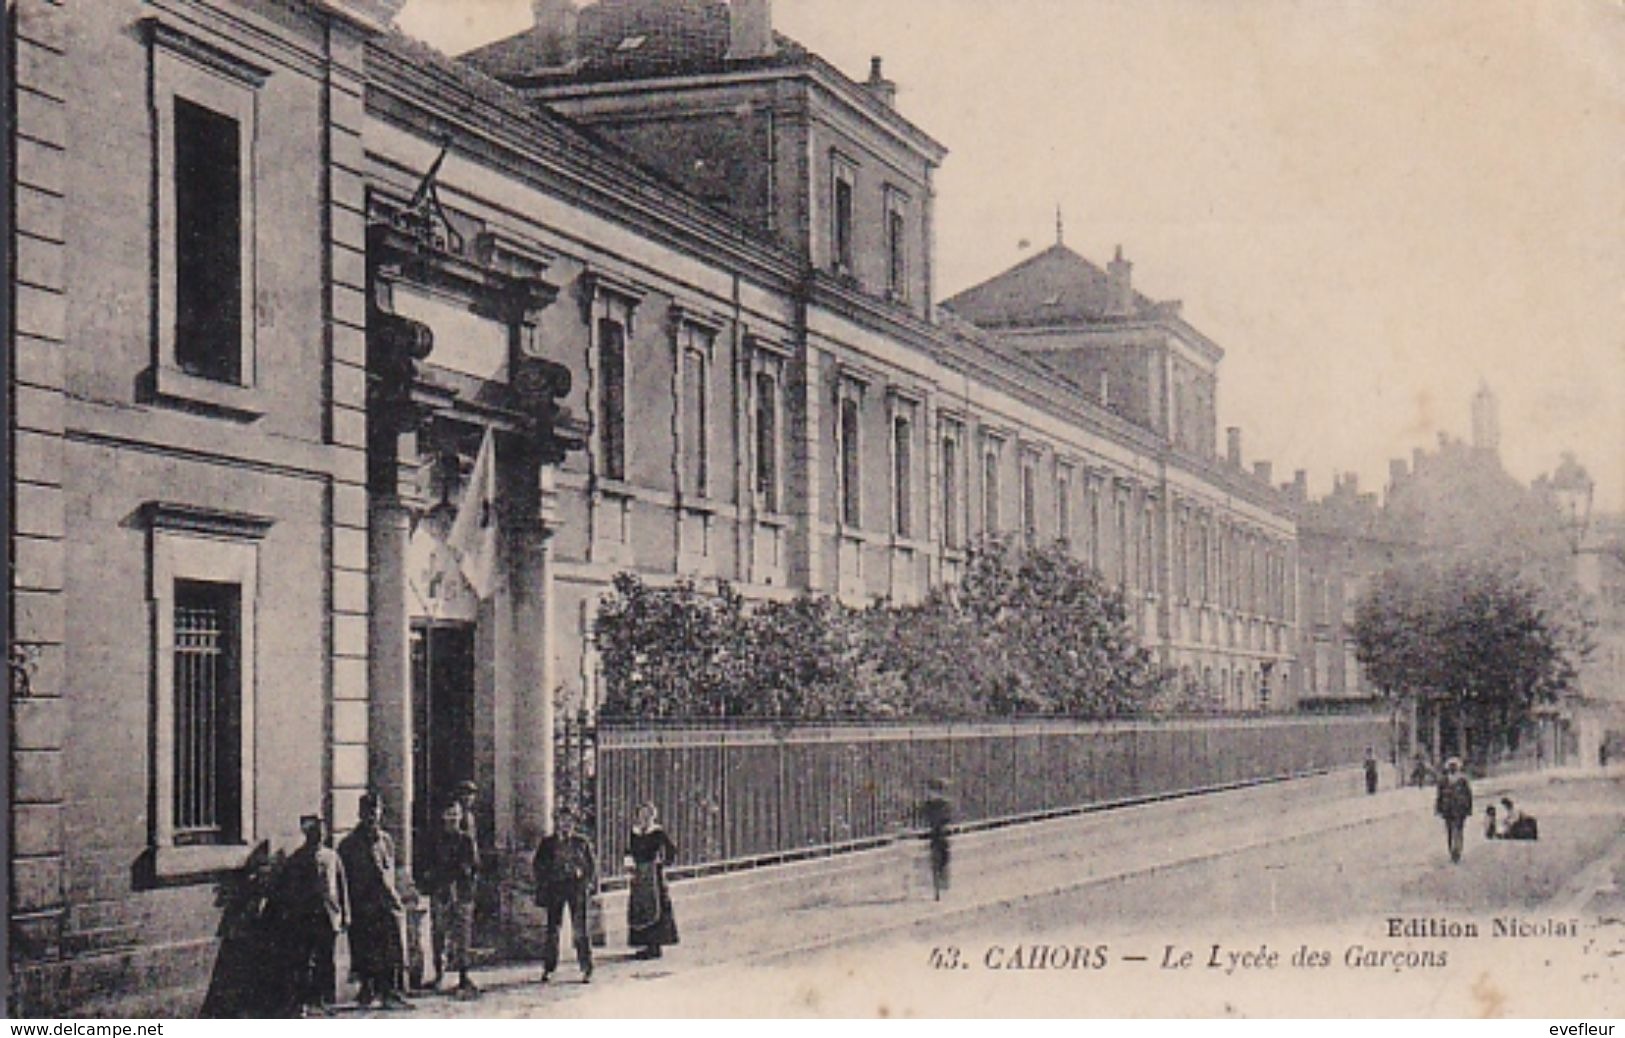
(1517, 825)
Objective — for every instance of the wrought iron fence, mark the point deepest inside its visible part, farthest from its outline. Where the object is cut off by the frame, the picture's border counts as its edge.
(739, 795)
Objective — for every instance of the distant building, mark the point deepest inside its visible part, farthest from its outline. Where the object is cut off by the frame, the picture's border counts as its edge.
(1218, 592)
(1344, 540)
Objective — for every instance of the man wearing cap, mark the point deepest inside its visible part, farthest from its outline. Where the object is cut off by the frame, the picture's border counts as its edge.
(317, 909)
(453, 865)
(377, 917)
(1453, 803)
(566, 875)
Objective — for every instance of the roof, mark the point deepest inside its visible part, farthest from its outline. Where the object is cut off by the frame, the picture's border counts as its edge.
(545, 128)
(627, 39)
(1056, 286)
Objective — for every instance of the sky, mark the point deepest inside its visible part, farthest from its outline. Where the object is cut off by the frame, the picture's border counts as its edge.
(1373, 207)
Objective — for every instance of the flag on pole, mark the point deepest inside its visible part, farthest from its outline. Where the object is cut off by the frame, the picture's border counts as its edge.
(473, 540)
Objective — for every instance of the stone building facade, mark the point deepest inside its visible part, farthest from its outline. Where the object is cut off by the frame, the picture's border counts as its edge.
(300, 302)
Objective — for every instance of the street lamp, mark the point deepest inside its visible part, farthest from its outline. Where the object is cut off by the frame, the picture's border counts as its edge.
(1572, 488)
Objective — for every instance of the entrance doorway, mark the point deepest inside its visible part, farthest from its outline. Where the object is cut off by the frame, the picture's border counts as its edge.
(442, 726)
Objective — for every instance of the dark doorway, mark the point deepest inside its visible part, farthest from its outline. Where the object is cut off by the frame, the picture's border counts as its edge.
(442, 725)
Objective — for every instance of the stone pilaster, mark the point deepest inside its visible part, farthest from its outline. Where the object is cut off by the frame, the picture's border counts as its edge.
(345, 225)
(39, 715)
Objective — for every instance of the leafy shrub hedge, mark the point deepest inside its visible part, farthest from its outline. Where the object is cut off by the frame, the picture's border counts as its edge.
(1029, 632)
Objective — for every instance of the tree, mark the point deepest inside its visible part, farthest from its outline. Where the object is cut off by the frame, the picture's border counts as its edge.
(1478, 643)
(1029, 631)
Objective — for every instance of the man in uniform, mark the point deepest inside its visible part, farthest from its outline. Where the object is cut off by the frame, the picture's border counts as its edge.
(1453, 803)
(566, 875)
(453, 865)
(377, 917)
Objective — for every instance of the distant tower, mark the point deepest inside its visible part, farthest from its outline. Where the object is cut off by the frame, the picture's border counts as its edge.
(1486, 420)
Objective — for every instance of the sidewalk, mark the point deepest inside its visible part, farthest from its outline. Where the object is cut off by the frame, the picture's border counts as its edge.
(783, 912)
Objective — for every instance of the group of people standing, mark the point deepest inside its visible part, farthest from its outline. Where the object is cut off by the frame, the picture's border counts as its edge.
(322, 892)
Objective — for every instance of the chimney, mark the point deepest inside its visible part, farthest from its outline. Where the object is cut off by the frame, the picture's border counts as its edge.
(1263, 470)
(1232, 439)
(1351, 483)
(1396, 472)
(1119, 286)
(750, 29)
(1300, 486)
(557, 18)
(881, 88)
(1418, 456)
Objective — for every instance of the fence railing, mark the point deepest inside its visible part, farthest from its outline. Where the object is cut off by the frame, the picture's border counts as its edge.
(752, 794)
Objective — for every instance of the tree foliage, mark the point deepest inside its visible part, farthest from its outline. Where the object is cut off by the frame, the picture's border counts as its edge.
(1029, 632)
(1473, 635)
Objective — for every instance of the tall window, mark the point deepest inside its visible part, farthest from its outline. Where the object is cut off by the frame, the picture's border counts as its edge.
(843, 181)
(1148, 549)
(1092, 506)
(695, 352)
(1182, 557)
(851, 468)
(208, 235)
(896, 244)
(767, 440)
(612, 398)
(1125, 548)
(1029, 502)
(208, 721)
(1063, 503)
(953, 534)
(902, 474)
(203, 107)
(990, 486)
(1202, 551)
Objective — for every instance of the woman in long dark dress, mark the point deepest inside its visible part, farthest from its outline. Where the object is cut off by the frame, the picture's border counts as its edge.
(649, 920)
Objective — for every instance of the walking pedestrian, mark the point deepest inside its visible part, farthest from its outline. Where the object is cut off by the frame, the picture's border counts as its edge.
(566, 875)
(377, 917)
(1453, 803)
(316, 909)
(649, 920)
(936, 815)
(453, 865)
(1370, 771)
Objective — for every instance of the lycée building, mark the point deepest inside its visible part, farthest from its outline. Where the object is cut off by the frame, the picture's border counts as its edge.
(279, 273)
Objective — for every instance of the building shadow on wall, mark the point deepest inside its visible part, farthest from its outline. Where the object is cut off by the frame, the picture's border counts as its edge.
(252, 975)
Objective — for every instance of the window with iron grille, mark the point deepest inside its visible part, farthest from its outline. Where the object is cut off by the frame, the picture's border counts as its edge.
(208, 700)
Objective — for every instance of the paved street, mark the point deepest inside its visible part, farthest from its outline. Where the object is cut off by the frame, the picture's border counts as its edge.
(1078, 902)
